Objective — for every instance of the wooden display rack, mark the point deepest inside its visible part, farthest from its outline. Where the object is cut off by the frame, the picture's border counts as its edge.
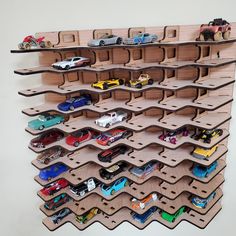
(193, 87)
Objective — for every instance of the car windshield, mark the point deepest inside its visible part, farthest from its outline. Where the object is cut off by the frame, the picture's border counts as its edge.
(42, 118)
(202, 168)
(78, 134)
(68, 59)
(105, 36)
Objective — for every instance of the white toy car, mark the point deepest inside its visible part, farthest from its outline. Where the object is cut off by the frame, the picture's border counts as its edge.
(111, 118)
(71, 62)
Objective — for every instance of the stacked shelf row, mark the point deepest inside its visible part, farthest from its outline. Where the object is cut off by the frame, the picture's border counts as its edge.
(193, 87)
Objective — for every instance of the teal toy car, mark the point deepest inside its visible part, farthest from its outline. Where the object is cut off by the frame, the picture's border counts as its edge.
(45, 121)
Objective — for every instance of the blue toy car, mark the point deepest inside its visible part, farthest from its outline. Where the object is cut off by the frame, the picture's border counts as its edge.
(45, 121)
(141, 39)
(52, 171)
(75, 102)
(202, 202)
(118, 185)
(204, 171)
(144, 217)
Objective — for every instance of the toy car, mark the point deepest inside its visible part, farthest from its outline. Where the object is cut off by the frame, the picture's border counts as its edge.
(145, 216)
(52, 171)
(204, 171)
(109, 154)
(171, 136)
(202, 202)
(111, 118)
(45, 121)
(75, 102)
(144, 79)
(111, 136)
(87, 216)
(50, 155)
(54, 187)
(216, 30)
(207, 135)
(109, 173)
(60, 215)
(172, 217)
(84, 187)
(30, 41)
(106, 39)
(141, 38)
(71, 62)
(142, 172)
(47, 138)
(57, 201)
(137, 204)
(204, 153)
(115, 187)
(109, 83)
(80, 136)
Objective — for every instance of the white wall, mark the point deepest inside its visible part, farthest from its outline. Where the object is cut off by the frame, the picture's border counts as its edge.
(19, 213)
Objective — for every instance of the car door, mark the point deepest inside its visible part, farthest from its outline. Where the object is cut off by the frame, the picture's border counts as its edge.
(85, 135)
(118, 185)
(77, 61)
(146, 38)
(49, 121)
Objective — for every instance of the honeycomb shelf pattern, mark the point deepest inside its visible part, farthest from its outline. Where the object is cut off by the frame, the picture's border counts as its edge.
(192, 89)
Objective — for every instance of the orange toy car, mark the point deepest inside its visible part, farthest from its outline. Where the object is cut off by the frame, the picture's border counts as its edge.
(137, 204)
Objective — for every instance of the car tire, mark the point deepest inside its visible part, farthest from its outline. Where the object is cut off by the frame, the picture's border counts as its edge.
(109, 143)
(41, 127)
(150, 81)
(218, 36)
(27, 46)
(46, 161)
(72, 108)
(107, 125)
(126, 183)
(226, 35)
(76, 144)
(99, 211)
(138, 86)
(101, 43)
(113, 192)
(201, 37)
(105, 86)
(119, 41)
(89, 102)
(121, 81)
(142, 205)
(67, 67)
(220, 132)
(82, 193)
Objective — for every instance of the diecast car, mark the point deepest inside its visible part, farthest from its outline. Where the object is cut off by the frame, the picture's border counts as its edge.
(202, 202)
(204, 171)
(141, 38)
(145, 216)
(57, 201)
(54, 187)
(204, 153)
(172, 217)
(144, 79)
(60, 215)
(45, 121)
(71, 62)
(108, 190)
(75, 102)
(106, 39)
(30, 41)
(141, 204)
(87, 216)
(109, 83)
(109, 154)
(207, 135)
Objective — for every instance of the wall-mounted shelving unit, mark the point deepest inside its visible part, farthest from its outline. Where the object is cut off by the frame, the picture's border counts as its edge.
(193, 88)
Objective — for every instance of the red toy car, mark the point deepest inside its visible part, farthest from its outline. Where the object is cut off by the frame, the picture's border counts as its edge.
(79, 137)
(47, 138)
(111, 136)
(216, 30)
(31, 41)
(52, 188)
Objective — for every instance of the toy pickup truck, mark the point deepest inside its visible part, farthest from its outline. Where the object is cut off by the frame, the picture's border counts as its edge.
(111, 118)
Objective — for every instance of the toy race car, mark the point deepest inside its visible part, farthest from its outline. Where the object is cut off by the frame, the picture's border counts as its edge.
(141, 204)
(111, 136)
(109, 173)
(87, 216)
(204, 153)
(109, 83)
(145, 216)
(142, 172)
(50, 155)
(144, 79)
(71, 62)
(60, 215)
(141, 38)
(106, 39)
(80, 136)
(75, 102)
(45, 121)
(47, 138)
(109, 154)
(207, 135)
(172, 217)
(171, 136)
(202, 202)
(204, 171)
(57, 201)
(52, 171)
(108, 190)
(30, 41)
(216, 30)
(54, 187)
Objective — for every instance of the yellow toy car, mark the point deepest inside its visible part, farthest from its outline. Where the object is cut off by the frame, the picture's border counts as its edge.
(109, 83)
(203, 153)
(144, 79)
(87, 216)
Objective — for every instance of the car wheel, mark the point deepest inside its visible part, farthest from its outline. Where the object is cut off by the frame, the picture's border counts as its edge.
(76, 144)
(107, 125)
(138, 86)
(82, 193)
(201, 37)
(113, 192)
(46, 161)
(124, 135)
(109, 143)
(218, 36)
(150, 81)
(173, 140)
(101, 43)
(129, 84)
(121, 81)
(126, 183)
(27, 46)
(72, 108)
(142, 205)
(119, 41)
(59, 122)
(226, 35)
(89, 102)
(41, 127)
(105, 86)
(67, 67)
(98, 211)
(220, 132)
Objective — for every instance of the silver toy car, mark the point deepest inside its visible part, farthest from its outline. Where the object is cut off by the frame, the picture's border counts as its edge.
(60, 215)
(106, 39)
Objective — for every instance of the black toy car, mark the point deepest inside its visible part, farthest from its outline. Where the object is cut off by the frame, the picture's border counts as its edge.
(108, 155)
(109, 173)
(207, 135)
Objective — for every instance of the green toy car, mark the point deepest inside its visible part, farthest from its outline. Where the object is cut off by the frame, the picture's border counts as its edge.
(172, 217)
(45, 121)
